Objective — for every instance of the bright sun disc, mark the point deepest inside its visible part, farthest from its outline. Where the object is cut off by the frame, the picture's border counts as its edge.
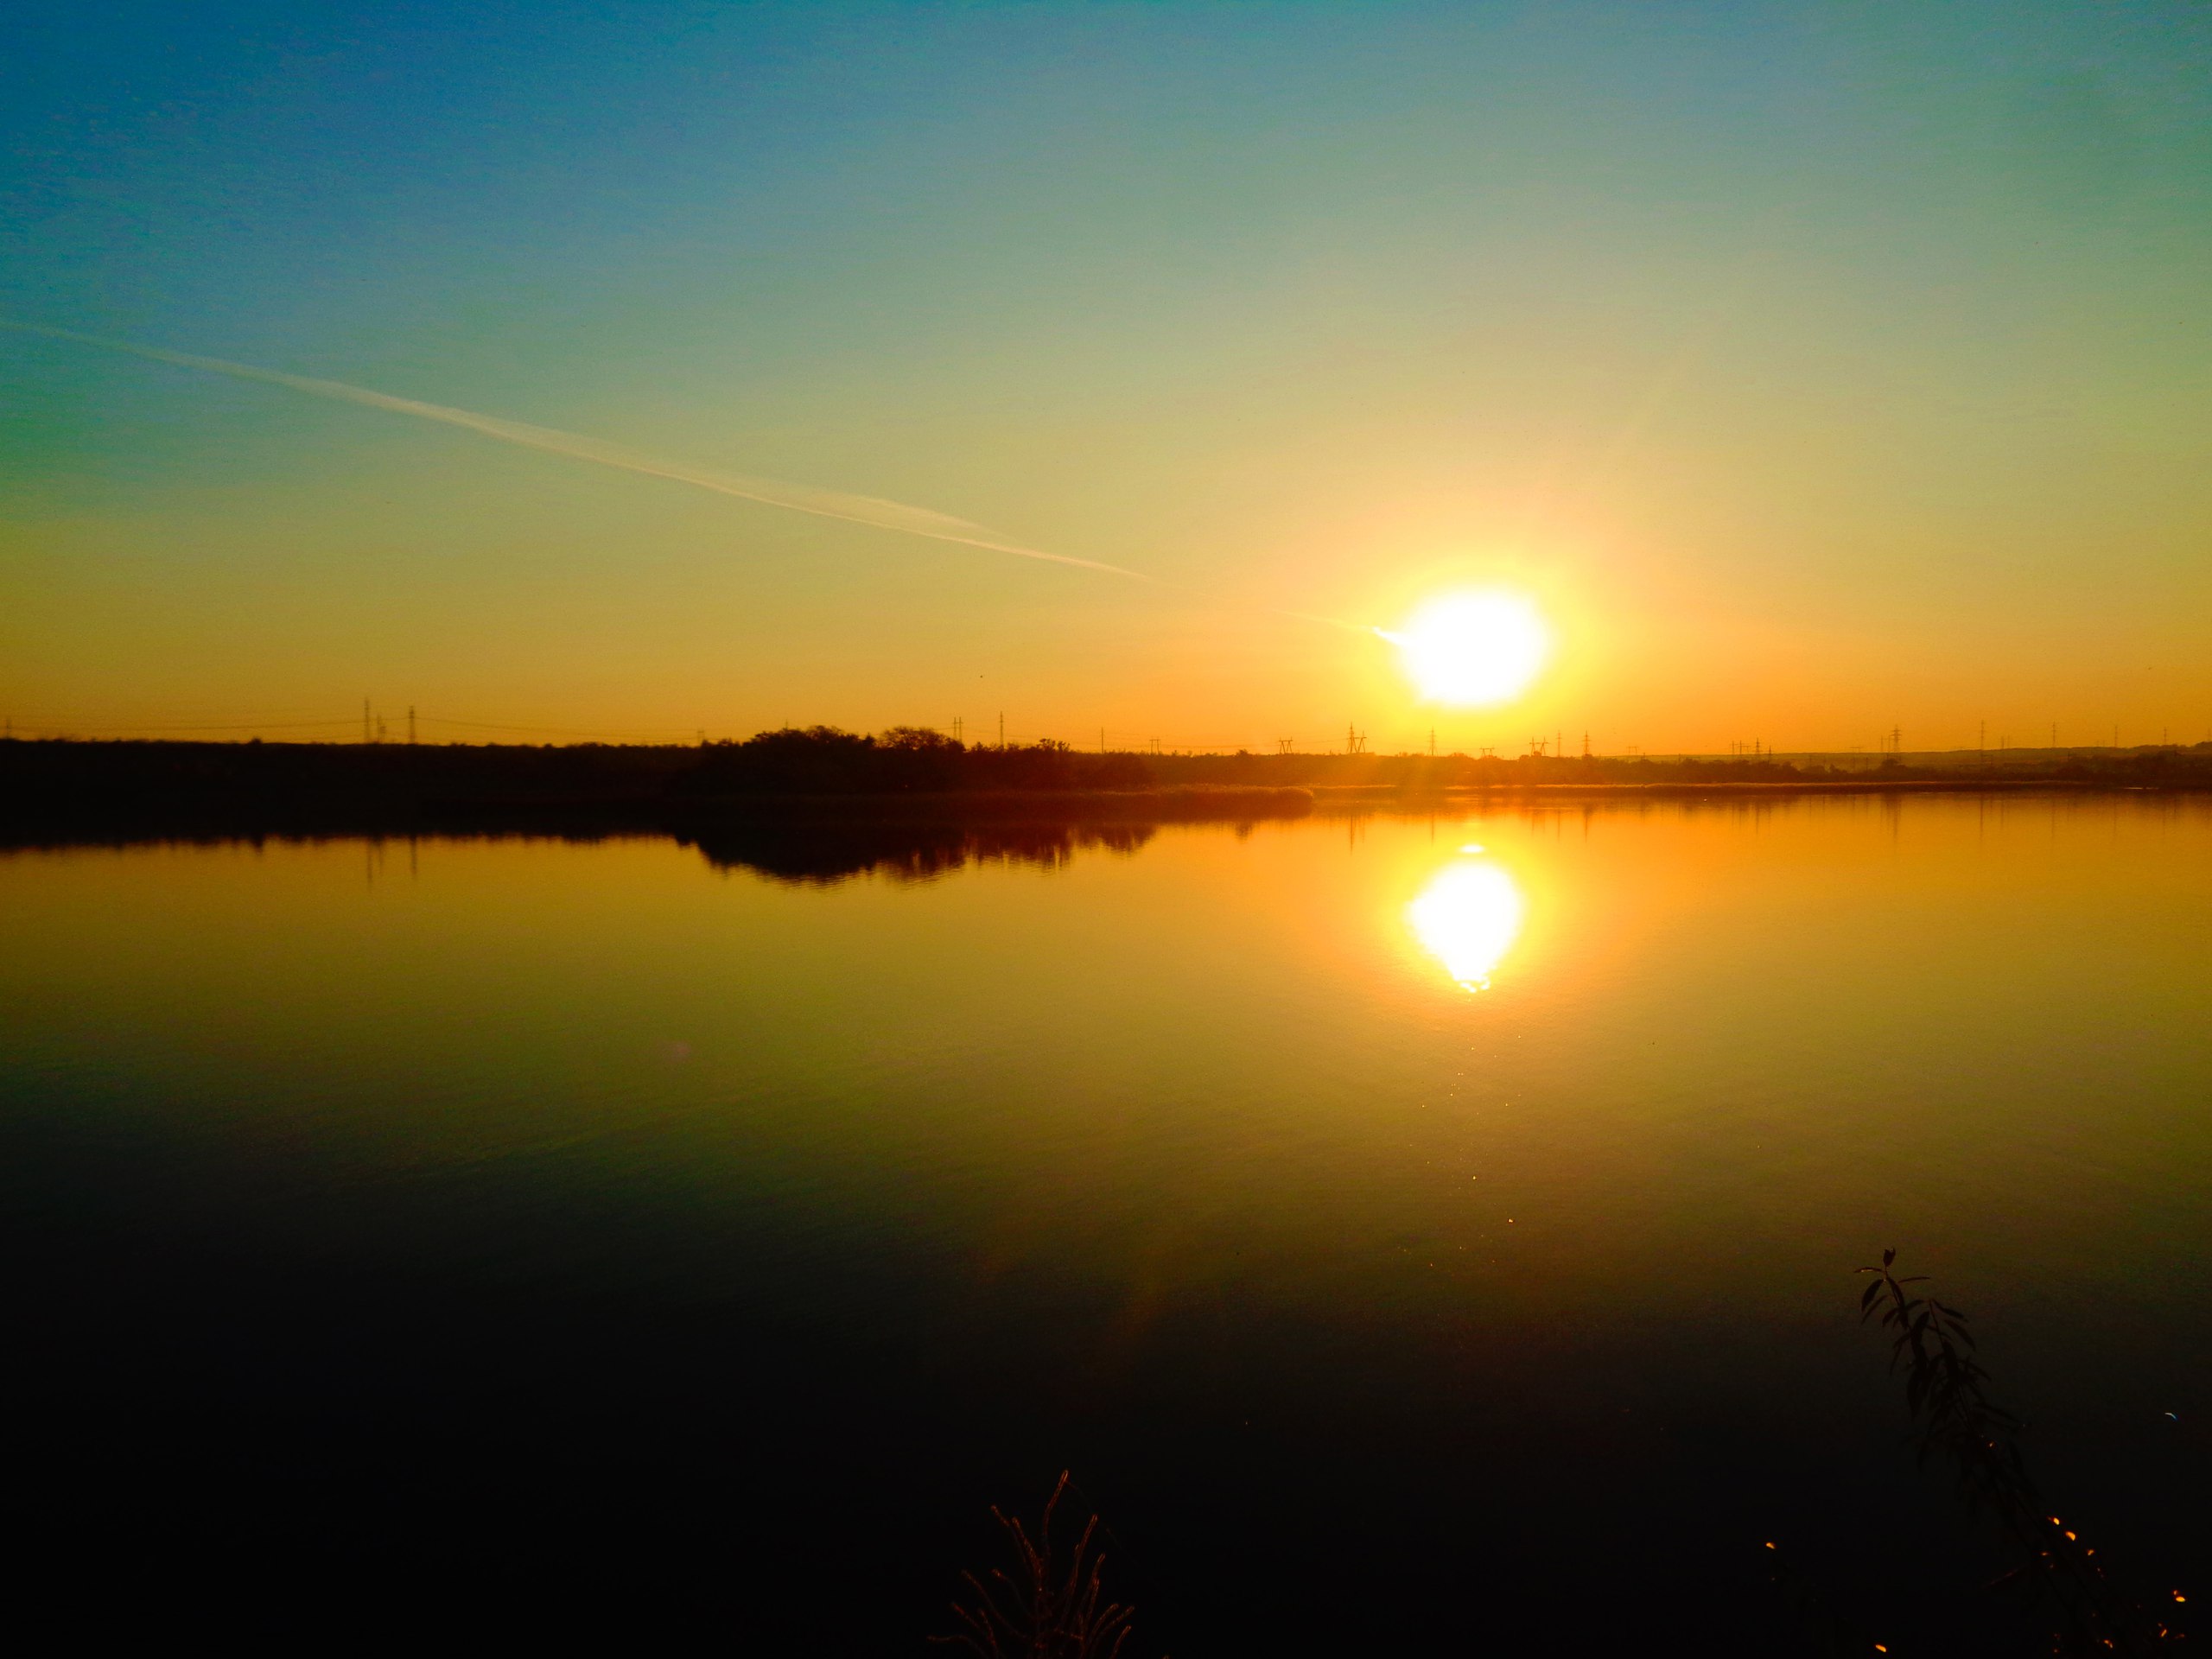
(1473, 649)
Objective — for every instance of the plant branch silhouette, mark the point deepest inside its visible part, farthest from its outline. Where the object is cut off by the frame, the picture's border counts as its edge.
(1958, 1424)
(1046, 1608)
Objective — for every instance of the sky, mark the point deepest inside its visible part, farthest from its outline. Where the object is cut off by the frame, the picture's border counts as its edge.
(1816, 369)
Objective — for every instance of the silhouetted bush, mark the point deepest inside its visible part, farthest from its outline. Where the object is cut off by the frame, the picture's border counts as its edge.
(1046, 1608)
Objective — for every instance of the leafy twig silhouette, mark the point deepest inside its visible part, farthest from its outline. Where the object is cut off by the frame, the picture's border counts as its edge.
(1946, 1389)
(1042, 1610)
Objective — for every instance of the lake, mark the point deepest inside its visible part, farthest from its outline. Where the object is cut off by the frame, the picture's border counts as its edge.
(1417, 1233)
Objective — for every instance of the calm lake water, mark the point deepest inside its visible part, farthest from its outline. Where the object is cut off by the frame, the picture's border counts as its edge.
(1418, 1235)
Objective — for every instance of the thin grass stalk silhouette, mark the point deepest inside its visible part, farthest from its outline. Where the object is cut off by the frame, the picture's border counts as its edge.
(1042, 1610)
(1945, 1389)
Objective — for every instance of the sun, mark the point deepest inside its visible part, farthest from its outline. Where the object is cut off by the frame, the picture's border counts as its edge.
(1473, 649)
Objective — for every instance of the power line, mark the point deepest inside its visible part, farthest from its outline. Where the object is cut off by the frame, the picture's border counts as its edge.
(554, 731)
(66, 727)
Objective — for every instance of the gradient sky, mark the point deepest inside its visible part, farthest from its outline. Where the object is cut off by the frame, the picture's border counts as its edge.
(1818, 368)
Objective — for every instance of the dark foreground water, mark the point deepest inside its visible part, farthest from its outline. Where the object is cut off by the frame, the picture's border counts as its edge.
(1417, 1236)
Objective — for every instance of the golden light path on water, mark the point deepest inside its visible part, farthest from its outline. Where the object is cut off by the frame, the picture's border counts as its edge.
(1468, 918)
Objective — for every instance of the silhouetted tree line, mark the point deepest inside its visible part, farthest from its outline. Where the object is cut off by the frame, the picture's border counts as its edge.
(68, 789)
(907, 759)
(60, 787)
(64, 785)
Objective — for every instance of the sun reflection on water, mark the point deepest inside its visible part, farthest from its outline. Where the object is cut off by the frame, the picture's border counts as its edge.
(1468, 918)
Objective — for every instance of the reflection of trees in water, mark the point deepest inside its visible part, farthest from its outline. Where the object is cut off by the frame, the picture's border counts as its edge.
(825, 853)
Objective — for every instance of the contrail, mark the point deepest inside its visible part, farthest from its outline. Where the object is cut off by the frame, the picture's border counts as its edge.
(797, 498)
(1333, 622)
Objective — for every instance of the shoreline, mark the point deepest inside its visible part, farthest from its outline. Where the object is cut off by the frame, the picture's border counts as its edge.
(1327, 792)
(116, 823)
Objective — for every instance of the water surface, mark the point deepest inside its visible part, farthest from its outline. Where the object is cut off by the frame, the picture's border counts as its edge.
(1432, 1230)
